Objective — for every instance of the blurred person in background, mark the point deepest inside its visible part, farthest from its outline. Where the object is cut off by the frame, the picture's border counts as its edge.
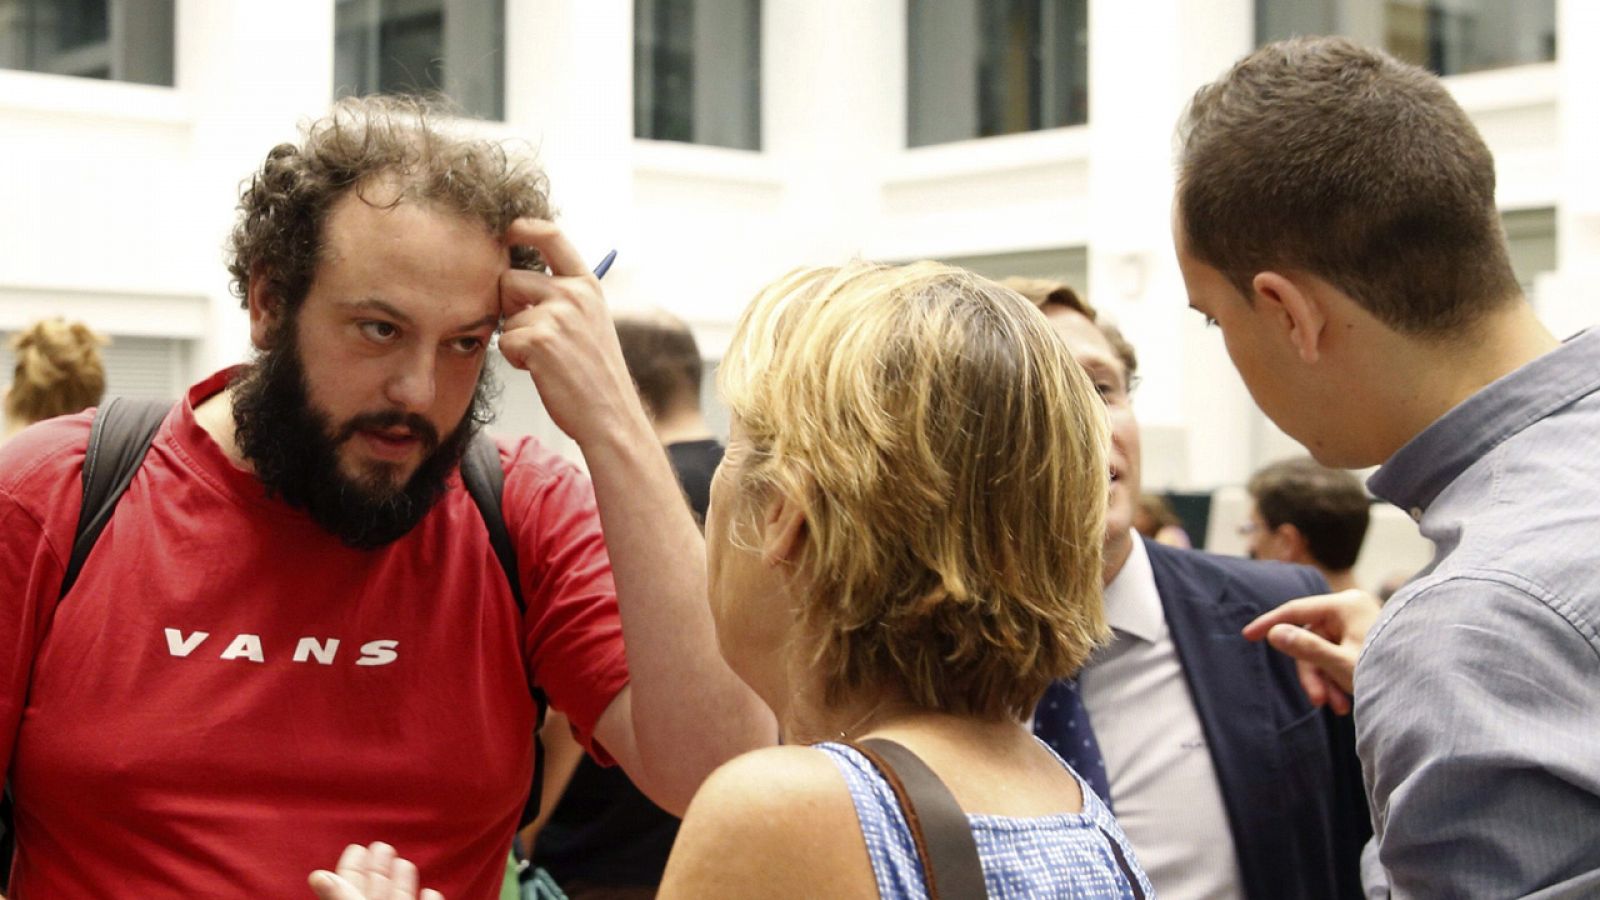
(603, 838)
(904, 542)
(666, 367)
(58, 372)
(295, 627)
(1306, 513)
(1336, 218)
(1155, 519)
(1225, 778)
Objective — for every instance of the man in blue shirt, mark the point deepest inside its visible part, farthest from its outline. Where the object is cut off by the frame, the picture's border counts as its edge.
(1336, 218)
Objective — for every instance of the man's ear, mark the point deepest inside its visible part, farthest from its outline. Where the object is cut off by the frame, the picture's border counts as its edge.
(1294, 543)
(1299, 312)
(265, 309)
(783, 531)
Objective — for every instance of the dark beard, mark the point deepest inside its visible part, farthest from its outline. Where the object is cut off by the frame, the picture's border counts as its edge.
(294, 449)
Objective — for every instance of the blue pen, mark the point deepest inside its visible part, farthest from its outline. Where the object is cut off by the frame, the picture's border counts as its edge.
(605, 265)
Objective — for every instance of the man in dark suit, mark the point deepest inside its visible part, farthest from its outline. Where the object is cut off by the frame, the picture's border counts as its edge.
(1228, 782)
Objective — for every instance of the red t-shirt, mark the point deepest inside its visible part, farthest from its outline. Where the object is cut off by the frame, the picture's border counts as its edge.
(229, 695)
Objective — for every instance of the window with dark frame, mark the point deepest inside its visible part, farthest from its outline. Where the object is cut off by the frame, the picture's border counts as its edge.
(981, 68)
(1448, 38)
(112, 40)
(697, 72)
(453, 48)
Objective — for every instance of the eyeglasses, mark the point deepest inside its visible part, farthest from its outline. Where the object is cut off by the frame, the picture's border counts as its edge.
(1114, 391)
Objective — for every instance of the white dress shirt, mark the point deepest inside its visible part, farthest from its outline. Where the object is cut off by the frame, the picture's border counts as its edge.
(1164, 788)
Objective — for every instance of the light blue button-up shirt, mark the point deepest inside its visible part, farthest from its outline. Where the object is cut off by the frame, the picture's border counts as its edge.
(1478, 693)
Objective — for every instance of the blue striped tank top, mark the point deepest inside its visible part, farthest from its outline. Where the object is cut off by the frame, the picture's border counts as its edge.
(1067, 855)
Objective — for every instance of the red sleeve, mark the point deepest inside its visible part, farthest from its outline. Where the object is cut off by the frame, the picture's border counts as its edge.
(40, 492)
(572, 633)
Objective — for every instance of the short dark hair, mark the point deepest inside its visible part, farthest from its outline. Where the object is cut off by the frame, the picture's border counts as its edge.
(1318, 155)
(1328, 506)
(363, 140)
(1047, 294)
(662, 358)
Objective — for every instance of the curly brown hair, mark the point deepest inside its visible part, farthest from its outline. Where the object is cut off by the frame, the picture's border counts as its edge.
(59, 371)
(363, 139)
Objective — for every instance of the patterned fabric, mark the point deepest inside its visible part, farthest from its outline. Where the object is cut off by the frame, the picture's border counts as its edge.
(1061, 856)
(1062, 722)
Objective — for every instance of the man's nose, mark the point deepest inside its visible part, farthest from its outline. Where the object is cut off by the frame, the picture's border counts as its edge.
(412, 387)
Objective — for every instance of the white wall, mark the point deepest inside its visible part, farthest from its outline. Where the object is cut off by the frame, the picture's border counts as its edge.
(117, 198)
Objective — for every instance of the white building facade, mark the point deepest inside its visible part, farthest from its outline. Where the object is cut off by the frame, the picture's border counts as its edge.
(845, 130)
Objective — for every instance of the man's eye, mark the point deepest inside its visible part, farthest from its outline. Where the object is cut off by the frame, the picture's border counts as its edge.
(468, 345)
(382, 332)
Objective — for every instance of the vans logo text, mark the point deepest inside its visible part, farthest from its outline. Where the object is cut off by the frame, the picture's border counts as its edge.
(247, 647)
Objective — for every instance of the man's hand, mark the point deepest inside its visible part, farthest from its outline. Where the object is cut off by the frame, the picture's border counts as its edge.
(683, 712)
(557, 329)
(370, 873)
(1325, 635)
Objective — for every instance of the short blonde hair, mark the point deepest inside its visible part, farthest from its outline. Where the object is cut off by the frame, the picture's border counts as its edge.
(58, 371)
(950, 460)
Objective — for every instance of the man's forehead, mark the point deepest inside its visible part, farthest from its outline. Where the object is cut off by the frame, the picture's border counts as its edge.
(376, 202)
(1084, 339)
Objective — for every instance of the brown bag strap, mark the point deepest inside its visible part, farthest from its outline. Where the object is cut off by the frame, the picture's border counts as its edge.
(943, 837)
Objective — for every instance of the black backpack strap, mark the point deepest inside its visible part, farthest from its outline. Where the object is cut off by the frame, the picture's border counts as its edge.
(951, 868)
(122, 432)
(118, 440)
(485, 480)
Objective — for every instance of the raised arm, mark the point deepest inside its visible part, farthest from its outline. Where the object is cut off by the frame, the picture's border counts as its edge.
(684, 712)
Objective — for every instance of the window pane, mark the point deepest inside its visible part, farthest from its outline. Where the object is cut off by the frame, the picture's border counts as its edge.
(985, 67)
(450, 47)
(118, 40)
(697, 71)
(1446, 36)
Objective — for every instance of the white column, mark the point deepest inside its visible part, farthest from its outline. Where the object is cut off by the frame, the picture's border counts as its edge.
(569, 93)
(834, 111)
(1569, 300)
(1146, 60)
(251, 71)
(569, 90)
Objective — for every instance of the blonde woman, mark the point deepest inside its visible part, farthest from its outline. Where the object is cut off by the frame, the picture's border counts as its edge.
(903, 542)
(58, 372)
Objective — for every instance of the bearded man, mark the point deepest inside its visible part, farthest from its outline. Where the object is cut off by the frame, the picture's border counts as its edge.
(294, 632)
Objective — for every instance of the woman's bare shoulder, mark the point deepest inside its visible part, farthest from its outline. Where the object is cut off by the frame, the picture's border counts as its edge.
(776, 822)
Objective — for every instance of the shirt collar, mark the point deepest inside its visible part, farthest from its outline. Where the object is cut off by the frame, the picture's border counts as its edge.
(1426, 465)
(1133, 606)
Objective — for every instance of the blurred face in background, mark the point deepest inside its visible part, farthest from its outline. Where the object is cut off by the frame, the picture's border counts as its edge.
(1262, 541)
(1091, 349)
